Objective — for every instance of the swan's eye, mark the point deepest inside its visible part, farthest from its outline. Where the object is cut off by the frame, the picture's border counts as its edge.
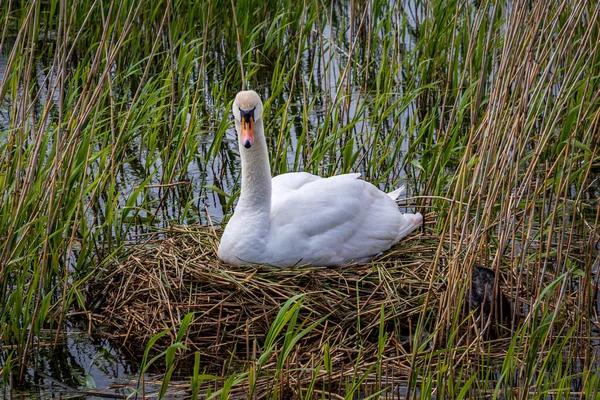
(247, 115)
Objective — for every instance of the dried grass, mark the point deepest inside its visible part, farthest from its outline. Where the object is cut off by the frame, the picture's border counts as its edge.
(149, 288)
(152, 286)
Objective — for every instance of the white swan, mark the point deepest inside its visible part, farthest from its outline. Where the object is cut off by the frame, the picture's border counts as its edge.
(299, 218)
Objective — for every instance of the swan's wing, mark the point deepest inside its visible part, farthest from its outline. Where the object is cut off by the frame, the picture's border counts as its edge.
(335, 220)
(319, 205)
(286, 185)
(291, 181)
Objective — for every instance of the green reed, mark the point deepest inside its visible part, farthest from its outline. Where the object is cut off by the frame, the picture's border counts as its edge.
(491, 110)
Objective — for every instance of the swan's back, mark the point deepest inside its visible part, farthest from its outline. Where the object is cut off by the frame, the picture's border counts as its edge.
(332, 221)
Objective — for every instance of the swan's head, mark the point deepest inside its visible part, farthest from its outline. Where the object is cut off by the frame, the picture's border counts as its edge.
(247, 109)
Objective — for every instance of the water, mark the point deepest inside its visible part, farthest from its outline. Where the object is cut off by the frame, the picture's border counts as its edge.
(223, 171)
(81, 364)
(76, 368)
(84, 363)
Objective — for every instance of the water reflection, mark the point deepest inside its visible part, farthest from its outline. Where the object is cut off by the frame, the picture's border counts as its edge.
(76, 367)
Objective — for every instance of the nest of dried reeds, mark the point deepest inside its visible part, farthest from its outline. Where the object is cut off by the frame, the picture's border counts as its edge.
(151, 287)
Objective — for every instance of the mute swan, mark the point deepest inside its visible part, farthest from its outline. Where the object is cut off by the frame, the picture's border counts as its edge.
(299, 218)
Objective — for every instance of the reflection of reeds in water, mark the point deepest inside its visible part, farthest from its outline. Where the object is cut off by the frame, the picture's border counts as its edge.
(114, 119)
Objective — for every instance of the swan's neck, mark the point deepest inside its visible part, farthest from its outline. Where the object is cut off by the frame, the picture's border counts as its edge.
(256, 177)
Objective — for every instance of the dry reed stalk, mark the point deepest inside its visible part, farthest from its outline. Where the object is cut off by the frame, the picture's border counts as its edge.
(521, 217)
(150, 287)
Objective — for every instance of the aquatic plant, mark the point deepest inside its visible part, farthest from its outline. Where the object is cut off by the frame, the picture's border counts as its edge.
(114, 125)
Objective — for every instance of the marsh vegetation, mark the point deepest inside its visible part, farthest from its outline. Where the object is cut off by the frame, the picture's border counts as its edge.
(115, 129)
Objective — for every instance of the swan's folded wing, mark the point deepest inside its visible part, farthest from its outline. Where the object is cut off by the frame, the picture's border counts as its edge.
(335, 218)
(292, 181)
(294, 184)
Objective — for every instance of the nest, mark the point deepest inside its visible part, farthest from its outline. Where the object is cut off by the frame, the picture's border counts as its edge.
(152, 286)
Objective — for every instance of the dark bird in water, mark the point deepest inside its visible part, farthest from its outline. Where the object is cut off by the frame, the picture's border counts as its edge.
(484, 300)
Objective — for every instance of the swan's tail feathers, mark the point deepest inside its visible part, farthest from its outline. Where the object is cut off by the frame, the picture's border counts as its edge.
(410, 223)
(396, 193)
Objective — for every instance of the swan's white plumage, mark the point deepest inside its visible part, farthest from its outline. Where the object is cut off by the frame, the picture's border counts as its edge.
(299, 218)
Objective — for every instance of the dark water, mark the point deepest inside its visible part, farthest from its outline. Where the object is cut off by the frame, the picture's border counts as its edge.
(223, 171)
(87, 367)
(81, 364)
(76, 368)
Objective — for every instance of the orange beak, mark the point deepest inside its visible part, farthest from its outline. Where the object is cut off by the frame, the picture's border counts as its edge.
(247, 132)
